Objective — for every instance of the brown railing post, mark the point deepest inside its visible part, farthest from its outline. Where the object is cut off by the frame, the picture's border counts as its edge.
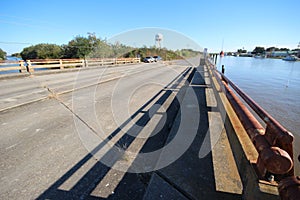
(289, 188)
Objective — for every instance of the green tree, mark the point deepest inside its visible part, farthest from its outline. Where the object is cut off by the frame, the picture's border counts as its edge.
(272, 49)
(18, 55)
(42, 51)
(81, 47)
(242, 51)
(2, 54)
(258, 50)
(284, 49)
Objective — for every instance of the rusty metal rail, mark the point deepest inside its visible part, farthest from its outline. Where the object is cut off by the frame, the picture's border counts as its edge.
(274, 143)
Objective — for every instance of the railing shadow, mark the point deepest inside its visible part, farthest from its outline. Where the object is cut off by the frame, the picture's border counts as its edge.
(131, 185)
(190, 175)
(194, 174)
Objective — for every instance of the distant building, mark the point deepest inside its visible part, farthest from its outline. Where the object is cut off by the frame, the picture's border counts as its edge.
(279, 53)
(293, 52)
(248, 54)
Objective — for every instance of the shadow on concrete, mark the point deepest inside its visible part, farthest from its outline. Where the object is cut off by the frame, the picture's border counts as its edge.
(132, 186)
(190, 176)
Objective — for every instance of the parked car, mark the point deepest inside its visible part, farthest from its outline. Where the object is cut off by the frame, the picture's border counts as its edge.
(157, 58)
(149, 59)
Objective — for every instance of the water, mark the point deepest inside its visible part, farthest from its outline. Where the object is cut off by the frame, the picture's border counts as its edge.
(274, 84)
(7, 63)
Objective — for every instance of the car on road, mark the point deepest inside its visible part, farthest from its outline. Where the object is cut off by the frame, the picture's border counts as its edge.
(157, 58)
(149, 59)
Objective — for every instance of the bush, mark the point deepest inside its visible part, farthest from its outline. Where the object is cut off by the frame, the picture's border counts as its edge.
(2, 54)
(42, 51)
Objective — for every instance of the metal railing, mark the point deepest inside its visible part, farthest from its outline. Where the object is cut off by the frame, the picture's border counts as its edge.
(274, 143)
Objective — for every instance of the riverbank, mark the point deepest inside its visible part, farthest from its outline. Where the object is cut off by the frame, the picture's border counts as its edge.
(262, 56)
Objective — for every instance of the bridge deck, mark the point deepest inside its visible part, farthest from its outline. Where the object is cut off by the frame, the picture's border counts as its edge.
(207, 169)
(50, 147)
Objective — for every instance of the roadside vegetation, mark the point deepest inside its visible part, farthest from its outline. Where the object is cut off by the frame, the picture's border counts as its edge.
(164, 53)
(2, 54)
(93, 47)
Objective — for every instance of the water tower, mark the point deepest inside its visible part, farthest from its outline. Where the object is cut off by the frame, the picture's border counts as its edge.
(158, 40)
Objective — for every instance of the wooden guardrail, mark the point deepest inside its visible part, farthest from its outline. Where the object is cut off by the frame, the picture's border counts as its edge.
(31, 65)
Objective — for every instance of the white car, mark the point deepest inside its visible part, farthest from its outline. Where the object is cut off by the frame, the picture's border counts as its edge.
(149, 59)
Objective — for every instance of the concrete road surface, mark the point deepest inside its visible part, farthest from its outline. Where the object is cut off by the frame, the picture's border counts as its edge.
(43, 118)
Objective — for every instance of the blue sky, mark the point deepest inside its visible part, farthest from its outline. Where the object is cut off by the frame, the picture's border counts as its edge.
(239, 23)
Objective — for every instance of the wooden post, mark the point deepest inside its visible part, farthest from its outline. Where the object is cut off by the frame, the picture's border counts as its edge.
(29, 67)
(61, 64)
(22, 67)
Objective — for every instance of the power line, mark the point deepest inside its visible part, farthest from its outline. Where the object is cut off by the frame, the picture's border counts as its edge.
(1, 42)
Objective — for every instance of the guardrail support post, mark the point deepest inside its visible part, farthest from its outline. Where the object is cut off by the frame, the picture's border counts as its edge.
(29, 67)
(289, 188)
(22, 67)
(61, 64)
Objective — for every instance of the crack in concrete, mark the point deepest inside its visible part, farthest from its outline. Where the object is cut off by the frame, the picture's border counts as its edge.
(56, 97)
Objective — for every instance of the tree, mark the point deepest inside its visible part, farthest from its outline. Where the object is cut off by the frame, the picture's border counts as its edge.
(18, 55)
(42, 51)
(80, 47)
(258, 50)
(272, 49)
(242, 51)
(2, 54)
(284, 49)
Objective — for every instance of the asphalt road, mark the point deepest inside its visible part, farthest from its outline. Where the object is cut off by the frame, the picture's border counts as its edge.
(46, 121)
